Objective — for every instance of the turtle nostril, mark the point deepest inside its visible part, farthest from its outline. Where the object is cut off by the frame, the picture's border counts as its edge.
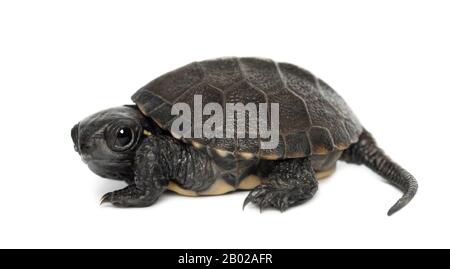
(84, 147)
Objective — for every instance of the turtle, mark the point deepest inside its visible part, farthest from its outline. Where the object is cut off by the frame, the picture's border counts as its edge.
(315, 128)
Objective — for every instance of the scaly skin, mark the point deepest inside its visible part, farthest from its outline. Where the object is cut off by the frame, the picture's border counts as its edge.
(290, 182)
(366, 152)
(157, 160)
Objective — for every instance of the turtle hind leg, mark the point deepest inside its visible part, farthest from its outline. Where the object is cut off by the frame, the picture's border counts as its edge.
(291, 182)
(366, 152)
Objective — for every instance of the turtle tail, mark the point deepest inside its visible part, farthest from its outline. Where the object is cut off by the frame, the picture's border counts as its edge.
(366, 152)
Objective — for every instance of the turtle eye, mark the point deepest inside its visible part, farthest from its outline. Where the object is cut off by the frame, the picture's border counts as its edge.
(124, 137)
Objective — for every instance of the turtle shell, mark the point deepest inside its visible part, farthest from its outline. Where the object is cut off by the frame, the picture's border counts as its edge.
(313, 118)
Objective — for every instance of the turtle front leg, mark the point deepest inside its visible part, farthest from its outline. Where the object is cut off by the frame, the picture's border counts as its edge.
(149, 181)
(291, 182)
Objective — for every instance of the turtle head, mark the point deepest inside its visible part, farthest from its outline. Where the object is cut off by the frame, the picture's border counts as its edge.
(107, 141)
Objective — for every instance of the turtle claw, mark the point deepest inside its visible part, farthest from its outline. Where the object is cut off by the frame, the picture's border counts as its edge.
(266, 195)
(248, 200)
(106, 198)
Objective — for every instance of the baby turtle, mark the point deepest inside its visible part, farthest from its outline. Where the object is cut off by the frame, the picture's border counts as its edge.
(137, 144)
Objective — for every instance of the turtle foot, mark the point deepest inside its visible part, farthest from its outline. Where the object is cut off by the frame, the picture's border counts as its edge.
(270, 195)
(291, 182)
(131, 196)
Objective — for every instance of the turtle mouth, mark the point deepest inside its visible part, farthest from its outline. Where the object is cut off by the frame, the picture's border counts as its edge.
(106, 162)
(119, 170)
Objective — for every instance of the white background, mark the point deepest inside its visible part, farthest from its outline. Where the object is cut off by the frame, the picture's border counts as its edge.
(61, 61)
